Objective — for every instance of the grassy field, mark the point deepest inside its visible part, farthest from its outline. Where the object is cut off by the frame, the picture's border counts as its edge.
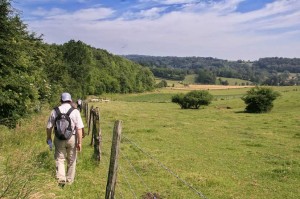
(218, 150)
(191, 79)
(234, 81)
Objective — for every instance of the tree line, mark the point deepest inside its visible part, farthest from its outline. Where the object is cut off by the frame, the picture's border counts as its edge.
(265, 71)
(34, 72)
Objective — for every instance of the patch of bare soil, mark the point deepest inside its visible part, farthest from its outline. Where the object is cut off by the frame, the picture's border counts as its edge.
(151, 196)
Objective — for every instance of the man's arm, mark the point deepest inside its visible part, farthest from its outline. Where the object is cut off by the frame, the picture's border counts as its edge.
(79, 139)
(49, 131)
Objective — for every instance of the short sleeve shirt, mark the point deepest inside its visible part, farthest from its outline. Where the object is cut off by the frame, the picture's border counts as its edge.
(76, 121)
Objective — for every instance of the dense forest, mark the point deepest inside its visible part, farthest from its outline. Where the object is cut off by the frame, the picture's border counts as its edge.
(34, 72)
(267, 71)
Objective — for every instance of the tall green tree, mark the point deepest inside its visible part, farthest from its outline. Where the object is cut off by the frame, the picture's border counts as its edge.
(206, 77)
(20, 83)
(57, 72)
(78, 57)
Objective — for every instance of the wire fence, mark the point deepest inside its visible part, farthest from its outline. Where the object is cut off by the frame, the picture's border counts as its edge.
(133, 181)
(136, 180)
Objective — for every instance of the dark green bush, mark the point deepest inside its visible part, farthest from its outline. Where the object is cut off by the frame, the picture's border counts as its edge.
(260, 99)
(161, 84)
(193, 99)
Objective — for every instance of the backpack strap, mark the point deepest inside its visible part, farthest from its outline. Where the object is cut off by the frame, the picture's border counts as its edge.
(57, 111)
(70, 111)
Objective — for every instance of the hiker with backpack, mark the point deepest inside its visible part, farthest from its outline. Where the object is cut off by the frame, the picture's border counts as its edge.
(68, 126)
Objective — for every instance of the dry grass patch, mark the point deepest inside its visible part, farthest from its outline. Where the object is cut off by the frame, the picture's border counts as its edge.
(208, 87)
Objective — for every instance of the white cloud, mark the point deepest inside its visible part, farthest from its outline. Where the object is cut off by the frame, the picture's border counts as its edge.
(168, 2)
(151, 13)
(45, 13)
(216, 31)
(84, 15)
(226, 6)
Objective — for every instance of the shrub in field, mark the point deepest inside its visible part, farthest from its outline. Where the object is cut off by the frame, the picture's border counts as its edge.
(178, 99)
(260, 100)
(161, 84)
(193, 99)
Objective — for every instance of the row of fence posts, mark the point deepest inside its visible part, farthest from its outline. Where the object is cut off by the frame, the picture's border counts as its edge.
(92, 116)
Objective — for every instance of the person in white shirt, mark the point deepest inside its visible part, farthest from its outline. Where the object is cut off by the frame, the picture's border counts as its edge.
(66, 149)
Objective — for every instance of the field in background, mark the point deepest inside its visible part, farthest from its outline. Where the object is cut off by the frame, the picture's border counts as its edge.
(191, 79)
(189, 84)
(219, 150)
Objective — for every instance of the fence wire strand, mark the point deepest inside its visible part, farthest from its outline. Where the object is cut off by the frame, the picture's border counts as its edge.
(130, 163)
(167, 169)
(127, 181)
(107, 162)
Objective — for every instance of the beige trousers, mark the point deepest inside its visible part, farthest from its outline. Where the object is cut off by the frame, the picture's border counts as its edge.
(65, 150)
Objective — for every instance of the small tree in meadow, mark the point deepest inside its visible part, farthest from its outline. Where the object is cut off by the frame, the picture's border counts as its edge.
(260, 99)
(193, 99)
(161, 84)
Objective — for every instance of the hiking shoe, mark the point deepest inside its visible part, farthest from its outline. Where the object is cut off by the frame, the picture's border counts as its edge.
(61, 183)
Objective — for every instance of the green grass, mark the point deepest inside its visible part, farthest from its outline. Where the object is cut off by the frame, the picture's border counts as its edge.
(224, 153)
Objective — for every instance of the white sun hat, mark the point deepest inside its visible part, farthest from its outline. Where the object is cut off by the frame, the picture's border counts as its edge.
(66, 97)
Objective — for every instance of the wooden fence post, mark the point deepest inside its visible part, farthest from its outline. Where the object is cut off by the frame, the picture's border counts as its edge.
(86, 111)
(89, 123)
(113, 166)
(96, 134)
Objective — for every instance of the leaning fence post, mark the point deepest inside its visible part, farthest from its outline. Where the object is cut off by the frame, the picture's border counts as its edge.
(113, 166)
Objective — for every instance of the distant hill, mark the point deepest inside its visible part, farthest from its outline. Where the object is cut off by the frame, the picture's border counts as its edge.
(271, 71)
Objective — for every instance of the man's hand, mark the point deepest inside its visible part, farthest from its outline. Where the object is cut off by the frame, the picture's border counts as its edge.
(79, 147)
(79, 139)
(48, 140)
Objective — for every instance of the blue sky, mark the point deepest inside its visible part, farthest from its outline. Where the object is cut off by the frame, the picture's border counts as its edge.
(226, 29)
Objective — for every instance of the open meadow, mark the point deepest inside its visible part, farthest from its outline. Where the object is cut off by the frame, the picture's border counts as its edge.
(216, 152)
(189, 82)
